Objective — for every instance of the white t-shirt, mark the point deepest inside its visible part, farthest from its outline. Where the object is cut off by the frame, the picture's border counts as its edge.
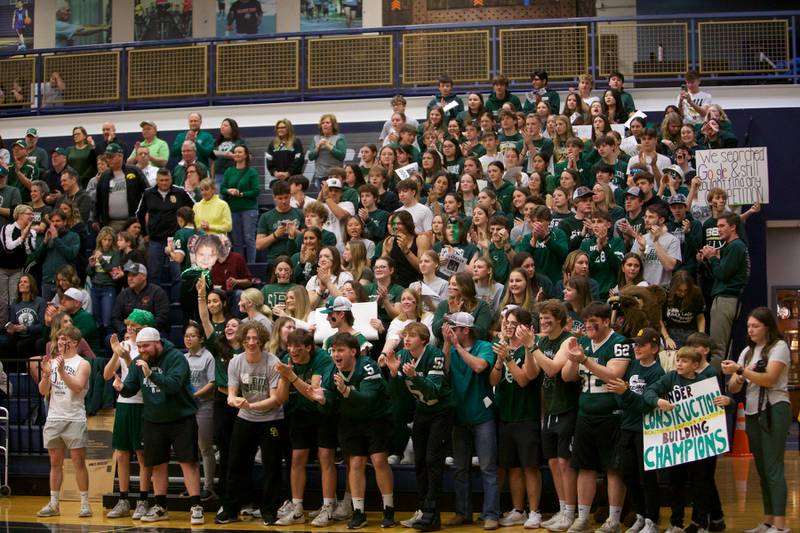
(662, 162)
(133, 350)
(64, 403)
(779, 392)
(422, 215)
(690, 116)
(654, 272)
(334, 225)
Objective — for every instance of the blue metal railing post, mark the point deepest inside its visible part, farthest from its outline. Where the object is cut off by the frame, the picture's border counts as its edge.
(123, 78)
(594, 68)
(494, 67)
(694, 43)
(397, 37)
(212, 71)
(794, 59)
(302, 69)
(39, 83)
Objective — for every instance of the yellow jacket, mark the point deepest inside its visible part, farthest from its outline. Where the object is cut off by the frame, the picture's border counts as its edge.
(214, 211)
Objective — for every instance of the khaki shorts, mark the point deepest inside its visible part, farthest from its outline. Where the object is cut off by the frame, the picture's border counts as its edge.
(65, 434)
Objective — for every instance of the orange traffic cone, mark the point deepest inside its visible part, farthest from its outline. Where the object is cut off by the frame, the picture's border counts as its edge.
(741, 471)
(741, 446)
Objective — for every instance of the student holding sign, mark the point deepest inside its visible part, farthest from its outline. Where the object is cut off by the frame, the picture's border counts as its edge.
(599, 357)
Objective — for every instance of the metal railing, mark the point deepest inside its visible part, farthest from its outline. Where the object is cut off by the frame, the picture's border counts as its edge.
(374, 62)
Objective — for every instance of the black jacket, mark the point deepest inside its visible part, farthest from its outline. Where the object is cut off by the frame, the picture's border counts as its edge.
(286, 159)
(152, 298)
(135, 183)
(162, 222)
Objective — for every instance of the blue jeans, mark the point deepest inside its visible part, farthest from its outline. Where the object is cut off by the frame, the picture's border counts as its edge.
(483, 439)
(103, 305)
(243, 235)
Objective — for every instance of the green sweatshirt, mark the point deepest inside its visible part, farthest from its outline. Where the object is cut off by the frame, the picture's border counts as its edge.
(731, 270)
(167, 392)
(368, 398)
(56, 253)
(516, 403)
(245, 181)
(430, 386)
(548, 255)
(559, 396)
(595, 398)
(604, 264)
(319, 364)
(639, 377)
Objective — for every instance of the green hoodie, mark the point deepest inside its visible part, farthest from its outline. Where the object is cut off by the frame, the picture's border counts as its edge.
(167, 392)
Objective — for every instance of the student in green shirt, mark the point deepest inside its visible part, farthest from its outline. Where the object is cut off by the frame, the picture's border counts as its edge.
(598, 357)
(278, 226)
(548, 246)
(517, 388)
(541, 93)
(605, 252)
(178, 247)
(281, 281)
(500, 96)
(575, 162)
(374, 219)
(461, 298)
(643, 371)
(504, 190)
(240, 188)
(508, 136)
(418, 370)
(615, 81)
(469, 361)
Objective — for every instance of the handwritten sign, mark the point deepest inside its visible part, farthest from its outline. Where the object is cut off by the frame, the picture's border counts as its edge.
(694, 429)
(741, 172)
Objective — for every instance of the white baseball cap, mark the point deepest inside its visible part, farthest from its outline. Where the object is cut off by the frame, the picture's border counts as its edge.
(148, 335)
(461, 319)
(74, 293)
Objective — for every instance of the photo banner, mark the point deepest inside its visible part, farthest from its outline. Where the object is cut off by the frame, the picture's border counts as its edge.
(694, 429)
(16, 28)
(742, 172)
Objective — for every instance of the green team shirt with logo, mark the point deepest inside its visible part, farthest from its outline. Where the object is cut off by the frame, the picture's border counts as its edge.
(430, 387)
(472, 393)
(559, 396)
(275, 293)
(604, 264)
(270, 222)
(368, 398)
(514, 402)
(319, 364)
(181, 242)
(548, 255)
(639, 377)
(595, 398)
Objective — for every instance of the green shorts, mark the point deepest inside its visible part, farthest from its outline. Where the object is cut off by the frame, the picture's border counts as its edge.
(127, 435)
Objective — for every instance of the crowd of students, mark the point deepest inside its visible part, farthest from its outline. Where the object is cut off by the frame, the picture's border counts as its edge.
(524, 279)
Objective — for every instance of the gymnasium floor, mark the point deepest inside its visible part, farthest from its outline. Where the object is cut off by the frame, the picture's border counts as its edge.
(736, 478)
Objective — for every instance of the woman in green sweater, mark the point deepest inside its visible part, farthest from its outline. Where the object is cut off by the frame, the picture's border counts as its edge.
(240, 190)
(81, 156)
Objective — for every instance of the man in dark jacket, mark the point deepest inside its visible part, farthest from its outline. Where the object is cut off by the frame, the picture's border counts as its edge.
(158, 216)
(119, 190)
(140, 295)
(161, 373)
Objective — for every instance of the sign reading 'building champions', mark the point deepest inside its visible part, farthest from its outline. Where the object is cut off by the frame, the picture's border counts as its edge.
(694, 429)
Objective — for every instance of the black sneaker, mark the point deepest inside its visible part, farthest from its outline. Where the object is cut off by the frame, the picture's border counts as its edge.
(692, 528)
(224, 518)
(430, 521)
(717, 525)
(268, 519)
(388, 517)
(358, 520)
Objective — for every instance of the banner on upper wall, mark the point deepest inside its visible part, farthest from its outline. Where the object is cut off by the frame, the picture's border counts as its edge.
(80, 22)
(16, 26)
(330, 14)
(742, 172)
(237, 18)
(694, 429)
(159, 20)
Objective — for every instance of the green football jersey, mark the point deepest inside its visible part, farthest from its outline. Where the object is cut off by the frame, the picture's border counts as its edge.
(430, 387)
(559, 396)
(319, 364)
(368, 398)
(595, 398)
(516, 403)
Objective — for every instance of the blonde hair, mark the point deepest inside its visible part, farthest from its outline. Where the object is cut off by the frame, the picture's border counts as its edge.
(103, 233)
(302, 305)
(255, 297)
(274, 344)
(417, 308)
(359, 261)
(289, 132)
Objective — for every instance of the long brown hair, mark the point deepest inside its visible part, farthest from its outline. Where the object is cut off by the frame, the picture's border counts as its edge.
(693, 292)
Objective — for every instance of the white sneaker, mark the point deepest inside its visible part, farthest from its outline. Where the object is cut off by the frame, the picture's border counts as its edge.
(86, 510)
(344, 510)
(123, 508)
(514, 518)
(257, 459)
(552, 519)
(449, 461)
(760, 528)
(476, 461)
(408, 457)
(141, 510)
(637, 526)
(393, 459)
(649, 527)
(580, 525)
(563, 523)
(774, 529)
(315, 513)
(286, 508)
(325, 516)
(156, 514)
(248, 510)
(609, 526)
(411, 521)
(676, 529)
(49, 510)
(534, 520)
(197, 518)
(295, 516)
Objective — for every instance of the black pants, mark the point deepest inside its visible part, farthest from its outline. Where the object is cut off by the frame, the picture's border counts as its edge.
(224, 418)
(248, 437)
(642, 484)
(714, 503)
(701, 474)
(429, 434)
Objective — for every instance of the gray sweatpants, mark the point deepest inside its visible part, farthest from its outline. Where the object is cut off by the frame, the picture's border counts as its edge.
(723, 315)
(205, 441)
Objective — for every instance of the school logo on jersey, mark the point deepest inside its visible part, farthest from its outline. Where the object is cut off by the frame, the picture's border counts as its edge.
(637, 384)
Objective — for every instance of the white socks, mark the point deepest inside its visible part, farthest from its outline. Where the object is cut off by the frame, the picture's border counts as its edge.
(358, 504)
(328, 501)
(561, 506)
(583, 512)
(388, 500)
(84, 497)
(55, 496)
(615, 513)
(569, 511)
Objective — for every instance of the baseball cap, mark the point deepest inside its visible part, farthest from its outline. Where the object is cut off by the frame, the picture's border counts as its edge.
(59, 150)
(461, 319)
(135, 268)
(32, 132)
(113, 148)
(74, 293)
(334, 183)
(21, 143)
(142, 317)
(647, 336)
(144, 123)
(635, 191)
(582, 192)
(676, 169)
(340, 303)
(678, 199)
(148, 335)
